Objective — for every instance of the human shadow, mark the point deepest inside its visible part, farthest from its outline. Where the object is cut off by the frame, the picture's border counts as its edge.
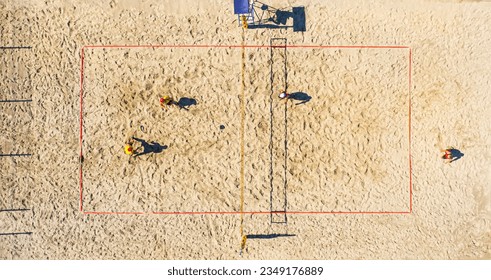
(185, 102)
(456, 154)
(268, 236)
(300, 96)
(152, 147)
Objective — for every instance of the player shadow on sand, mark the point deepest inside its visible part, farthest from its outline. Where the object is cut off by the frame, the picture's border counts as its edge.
(185, 102)
(152, 147)
(300, 96)
(456, 154)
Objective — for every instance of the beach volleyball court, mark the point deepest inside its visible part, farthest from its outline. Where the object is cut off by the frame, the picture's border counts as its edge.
(353, 171)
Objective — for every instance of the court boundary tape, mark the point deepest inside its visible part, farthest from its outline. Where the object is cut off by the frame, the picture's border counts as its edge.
(242, 212)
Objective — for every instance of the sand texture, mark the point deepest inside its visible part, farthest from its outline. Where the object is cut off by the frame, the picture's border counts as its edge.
(353, 156)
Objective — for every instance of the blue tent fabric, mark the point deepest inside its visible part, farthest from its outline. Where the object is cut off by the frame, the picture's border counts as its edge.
(241, 6)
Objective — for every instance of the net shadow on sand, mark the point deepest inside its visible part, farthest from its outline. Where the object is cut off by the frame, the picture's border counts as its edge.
(268, 236)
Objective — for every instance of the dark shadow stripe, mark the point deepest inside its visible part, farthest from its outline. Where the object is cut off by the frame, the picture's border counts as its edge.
(17, 233)
(14, 101)
(14, 47)
(14, 210)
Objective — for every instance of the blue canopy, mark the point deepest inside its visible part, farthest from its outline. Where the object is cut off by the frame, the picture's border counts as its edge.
(241, 6)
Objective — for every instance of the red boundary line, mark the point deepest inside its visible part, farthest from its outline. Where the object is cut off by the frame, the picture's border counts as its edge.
(235, 213)
(81, 121)
(112, 213)
(82, 56)
(240, 46)
(410, 155)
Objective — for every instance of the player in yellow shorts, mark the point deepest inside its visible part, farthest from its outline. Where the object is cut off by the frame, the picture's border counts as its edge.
(128, 147)
(166, 101)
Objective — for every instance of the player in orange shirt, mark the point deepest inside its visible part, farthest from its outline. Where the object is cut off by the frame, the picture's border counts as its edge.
(448, 155)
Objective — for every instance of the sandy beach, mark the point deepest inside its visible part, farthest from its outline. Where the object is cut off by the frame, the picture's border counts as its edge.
(349, 167)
